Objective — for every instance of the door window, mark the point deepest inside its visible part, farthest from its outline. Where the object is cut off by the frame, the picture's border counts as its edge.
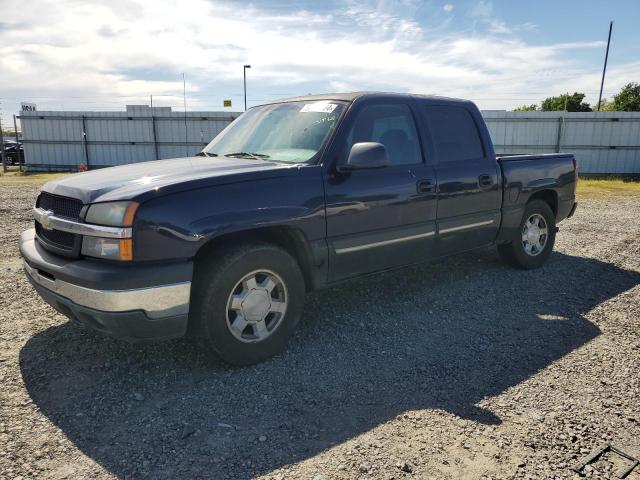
(392, 126)
(454, 134)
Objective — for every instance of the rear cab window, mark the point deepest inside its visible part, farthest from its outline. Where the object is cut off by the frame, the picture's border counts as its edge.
(454, 134)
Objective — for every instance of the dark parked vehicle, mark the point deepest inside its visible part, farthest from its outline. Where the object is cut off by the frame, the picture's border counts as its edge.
(13, 153)
(293, 196)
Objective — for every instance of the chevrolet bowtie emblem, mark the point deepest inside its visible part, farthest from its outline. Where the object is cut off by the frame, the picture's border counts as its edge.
(45, 220)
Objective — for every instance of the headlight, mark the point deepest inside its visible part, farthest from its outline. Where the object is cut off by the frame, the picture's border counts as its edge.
(113, 214)
(111, 248)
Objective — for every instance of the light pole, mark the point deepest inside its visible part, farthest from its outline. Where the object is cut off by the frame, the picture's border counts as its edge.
(244, 72)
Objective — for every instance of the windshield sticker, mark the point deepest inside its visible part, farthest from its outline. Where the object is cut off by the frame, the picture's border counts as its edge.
(322, 107)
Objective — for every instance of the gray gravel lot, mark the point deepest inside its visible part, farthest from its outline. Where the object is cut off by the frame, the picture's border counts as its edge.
(460, 369)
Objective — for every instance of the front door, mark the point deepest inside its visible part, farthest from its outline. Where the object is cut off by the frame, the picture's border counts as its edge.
(380, 218)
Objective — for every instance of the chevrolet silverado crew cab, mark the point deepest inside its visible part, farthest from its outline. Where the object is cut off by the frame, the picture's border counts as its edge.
(293, 196)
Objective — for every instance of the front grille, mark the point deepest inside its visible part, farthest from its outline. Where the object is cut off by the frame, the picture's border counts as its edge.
(56, 241)
(63, 240)
(60, 206)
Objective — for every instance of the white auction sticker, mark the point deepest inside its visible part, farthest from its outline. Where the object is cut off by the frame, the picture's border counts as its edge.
(322, 107)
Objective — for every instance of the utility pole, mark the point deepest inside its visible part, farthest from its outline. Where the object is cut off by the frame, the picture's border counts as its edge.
(244, 73)
(184, 101)
(604, 69)
(153, 131)
(20, 159)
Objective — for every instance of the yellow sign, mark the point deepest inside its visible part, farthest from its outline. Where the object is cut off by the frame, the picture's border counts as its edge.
(227, 103)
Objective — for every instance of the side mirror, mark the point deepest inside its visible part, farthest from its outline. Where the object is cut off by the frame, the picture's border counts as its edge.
(365, 155)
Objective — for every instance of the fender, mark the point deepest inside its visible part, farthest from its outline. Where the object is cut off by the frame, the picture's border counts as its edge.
(178, 225)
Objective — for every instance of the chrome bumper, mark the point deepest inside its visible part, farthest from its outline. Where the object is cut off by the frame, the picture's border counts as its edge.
(156, 302)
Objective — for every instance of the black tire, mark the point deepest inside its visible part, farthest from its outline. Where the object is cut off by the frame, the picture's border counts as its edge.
(514, 253)
(215, 278)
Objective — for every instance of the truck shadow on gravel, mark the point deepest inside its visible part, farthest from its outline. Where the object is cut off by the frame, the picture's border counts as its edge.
(441, 336)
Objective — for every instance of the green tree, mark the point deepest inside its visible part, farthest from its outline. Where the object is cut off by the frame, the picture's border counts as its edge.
(8, 134)
(573, 102)
(628, 100)
(607, 106)
(526, 108)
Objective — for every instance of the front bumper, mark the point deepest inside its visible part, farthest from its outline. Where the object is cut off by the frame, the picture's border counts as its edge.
(132, 302)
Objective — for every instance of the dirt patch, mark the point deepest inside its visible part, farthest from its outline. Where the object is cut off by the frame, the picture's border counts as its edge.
(459, 369)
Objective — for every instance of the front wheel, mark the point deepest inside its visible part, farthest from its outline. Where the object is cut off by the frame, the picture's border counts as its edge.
(247, 302)
(536, 237)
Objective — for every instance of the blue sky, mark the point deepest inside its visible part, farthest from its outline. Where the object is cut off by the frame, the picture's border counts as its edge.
(101, 55)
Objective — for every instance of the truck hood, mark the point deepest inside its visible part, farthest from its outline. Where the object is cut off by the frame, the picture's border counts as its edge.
(127, 182)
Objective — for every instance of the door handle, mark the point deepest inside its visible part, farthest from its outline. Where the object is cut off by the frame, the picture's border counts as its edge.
(426, 186)
(485, 181)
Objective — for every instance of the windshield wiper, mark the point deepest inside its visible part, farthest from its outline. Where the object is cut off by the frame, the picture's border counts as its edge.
(255, 156)
(206, 154)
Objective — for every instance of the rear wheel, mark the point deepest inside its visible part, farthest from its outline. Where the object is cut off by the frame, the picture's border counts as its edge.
(247, 302)
(536, 237)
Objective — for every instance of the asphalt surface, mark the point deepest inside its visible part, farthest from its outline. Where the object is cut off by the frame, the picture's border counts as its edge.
(460, 369)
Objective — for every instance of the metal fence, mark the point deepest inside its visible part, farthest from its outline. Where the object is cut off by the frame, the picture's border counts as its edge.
(64, 140)
(604, 142)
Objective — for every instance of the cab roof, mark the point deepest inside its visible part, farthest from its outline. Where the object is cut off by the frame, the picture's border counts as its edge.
(351, 96)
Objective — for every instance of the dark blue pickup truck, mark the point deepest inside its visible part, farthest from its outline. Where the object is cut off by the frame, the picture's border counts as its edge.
(293, 196)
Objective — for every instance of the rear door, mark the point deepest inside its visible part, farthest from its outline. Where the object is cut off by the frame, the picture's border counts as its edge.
(468, 211)
(380, 218)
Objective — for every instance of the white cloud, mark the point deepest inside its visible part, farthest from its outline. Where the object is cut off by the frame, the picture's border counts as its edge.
(447, 7)
(498, 26)
(69, 54)
(617, 77)
(482, 9)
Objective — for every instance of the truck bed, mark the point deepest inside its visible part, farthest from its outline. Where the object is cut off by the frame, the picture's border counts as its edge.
(552, 176)
(511, 157)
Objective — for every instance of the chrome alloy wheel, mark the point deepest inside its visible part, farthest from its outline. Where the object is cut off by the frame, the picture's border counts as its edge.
(256, 306)
(535, 234)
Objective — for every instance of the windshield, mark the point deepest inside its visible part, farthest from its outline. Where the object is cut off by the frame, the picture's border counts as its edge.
(285, 132)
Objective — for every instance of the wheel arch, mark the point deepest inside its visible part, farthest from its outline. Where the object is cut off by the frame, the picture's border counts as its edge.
(290, 239)
(549, 196)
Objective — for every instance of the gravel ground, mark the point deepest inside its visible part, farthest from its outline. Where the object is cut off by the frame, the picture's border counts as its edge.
(459, 369)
